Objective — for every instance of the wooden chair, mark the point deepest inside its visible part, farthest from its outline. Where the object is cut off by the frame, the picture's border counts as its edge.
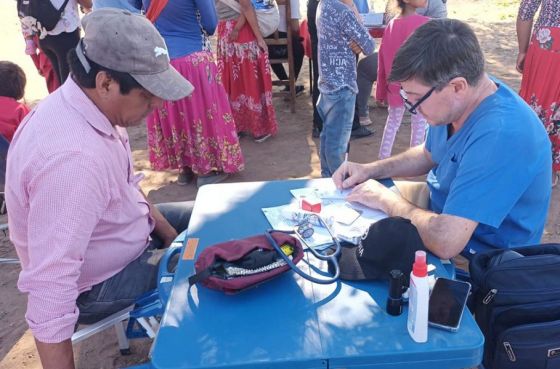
(277, 41)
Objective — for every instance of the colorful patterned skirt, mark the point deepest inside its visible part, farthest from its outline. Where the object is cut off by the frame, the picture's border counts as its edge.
(540, 85)
(245, 72)
(198, 131)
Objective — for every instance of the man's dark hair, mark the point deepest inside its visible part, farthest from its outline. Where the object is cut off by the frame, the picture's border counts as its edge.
(13, 80)
(437, 52)
(87, 80)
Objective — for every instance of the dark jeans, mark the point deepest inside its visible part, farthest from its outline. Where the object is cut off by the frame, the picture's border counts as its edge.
(137, 278)
(312, 29)
(281, 51)
(56, 48)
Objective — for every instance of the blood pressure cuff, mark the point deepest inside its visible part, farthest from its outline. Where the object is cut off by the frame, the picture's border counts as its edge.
(234, 266)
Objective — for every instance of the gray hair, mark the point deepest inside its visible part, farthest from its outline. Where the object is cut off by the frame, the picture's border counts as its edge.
(437, 52)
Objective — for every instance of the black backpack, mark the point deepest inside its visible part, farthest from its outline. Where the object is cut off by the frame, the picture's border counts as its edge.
(42, 10)
(516, 303)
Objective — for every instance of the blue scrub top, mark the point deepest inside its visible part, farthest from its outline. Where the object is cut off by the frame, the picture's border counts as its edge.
(496, 170)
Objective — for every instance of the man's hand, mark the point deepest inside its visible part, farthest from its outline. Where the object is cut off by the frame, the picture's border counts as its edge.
(356, 49)
(373, 195)
(233, 35)
(262, 44)
(350, 174)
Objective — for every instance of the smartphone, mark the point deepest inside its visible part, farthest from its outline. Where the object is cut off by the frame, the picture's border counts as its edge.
(447, 303)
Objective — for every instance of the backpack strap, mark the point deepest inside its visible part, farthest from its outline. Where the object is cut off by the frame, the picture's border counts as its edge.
(155, 9)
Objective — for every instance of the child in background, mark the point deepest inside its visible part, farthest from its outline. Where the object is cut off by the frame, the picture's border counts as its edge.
(396, 33)
(12, 89)
(341, 35)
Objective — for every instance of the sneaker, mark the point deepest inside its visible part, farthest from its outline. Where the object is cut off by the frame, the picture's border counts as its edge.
(214, 177)
(262, 138)
(361, 132)
(299, 89)
(365, 121)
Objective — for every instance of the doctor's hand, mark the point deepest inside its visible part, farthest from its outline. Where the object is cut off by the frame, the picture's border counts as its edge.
(349, 174)
(373, 195)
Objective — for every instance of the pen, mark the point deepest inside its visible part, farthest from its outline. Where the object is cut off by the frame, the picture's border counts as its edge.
(346, 161)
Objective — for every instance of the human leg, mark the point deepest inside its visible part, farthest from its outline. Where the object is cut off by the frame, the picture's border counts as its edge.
(418, 129)
(138, 277)
(392, 125)
(312, 29)
(367, 75)
(336, 110)
(178, 214)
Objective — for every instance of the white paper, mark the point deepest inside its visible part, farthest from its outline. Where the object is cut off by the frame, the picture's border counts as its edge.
(332, 199)
(372, 19)
(278, 219)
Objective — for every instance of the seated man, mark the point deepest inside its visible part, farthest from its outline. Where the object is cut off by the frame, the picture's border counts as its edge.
(281, 51)
(78, 219)
(486, 154)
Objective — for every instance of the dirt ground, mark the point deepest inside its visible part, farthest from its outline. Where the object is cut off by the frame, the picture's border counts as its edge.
(291, 154)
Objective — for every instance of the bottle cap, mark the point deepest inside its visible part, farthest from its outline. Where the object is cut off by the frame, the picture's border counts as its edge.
(420, 268)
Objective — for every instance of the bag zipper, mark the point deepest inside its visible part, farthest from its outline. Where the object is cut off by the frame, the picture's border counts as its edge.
(509, 352)
(489, 296)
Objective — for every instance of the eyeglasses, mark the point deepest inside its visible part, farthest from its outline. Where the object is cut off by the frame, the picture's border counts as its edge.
(412, 107)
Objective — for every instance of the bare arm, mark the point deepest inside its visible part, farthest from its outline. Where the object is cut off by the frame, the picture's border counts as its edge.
(249, 12)
(444, 235)
(523, 37)
(56, 355)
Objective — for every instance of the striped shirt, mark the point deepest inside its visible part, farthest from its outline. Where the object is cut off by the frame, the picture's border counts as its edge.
(75, 212)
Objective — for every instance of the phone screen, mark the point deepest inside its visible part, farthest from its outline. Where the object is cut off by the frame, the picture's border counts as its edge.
(447, 303)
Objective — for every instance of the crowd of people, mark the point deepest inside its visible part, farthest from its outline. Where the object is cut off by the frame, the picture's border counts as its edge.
(489, 153)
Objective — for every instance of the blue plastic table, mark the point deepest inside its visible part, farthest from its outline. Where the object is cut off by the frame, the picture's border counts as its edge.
(290, 322)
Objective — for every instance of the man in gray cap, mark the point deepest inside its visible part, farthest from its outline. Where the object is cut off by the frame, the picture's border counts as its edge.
(88, 240)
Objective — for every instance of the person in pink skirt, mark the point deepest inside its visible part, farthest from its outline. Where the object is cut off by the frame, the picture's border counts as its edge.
(245, 71)
(396, 33)
(196, 134)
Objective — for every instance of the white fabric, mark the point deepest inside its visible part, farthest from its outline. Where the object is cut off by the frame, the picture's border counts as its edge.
(267, 19)
(69, 20)
(294, 5)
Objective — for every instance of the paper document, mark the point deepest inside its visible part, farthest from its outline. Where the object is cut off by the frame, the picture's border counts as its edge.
(280, 219)
(372, 19)
(346, 225)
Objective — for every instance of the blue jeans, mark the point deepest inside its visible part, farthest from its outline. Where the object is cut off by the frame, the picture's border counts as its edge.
(337, 112)
(138, 277)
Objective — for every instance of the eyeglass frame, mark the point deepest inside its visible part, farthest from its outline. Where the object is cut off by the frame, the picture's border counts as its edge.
(412, 107)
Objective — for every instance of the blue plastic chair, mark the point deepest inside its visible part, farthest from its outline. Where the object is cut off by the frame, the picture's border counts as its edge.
(144, 318)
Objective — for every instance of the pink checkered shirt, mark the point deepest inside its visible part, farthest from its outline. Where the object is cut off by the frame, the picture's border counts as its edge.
(76, 214)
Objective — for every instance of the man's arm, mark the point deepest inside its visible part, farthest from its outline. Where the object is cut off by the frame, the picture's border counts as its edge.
(162, 228)
(444, 235)
(56, 355)
(414, 162)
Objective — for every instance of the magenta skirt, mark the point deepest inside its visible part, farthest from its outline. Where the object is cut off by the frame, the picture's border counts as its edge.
(198, 131)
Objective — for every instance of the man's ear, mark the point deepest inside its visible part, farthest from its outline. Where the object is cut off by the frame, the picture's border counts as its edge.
(459, 84)
(104, 84)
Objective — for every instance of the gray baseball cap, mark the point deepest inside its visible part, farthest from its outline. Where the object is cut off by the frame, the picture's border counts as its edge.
(119, 40)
